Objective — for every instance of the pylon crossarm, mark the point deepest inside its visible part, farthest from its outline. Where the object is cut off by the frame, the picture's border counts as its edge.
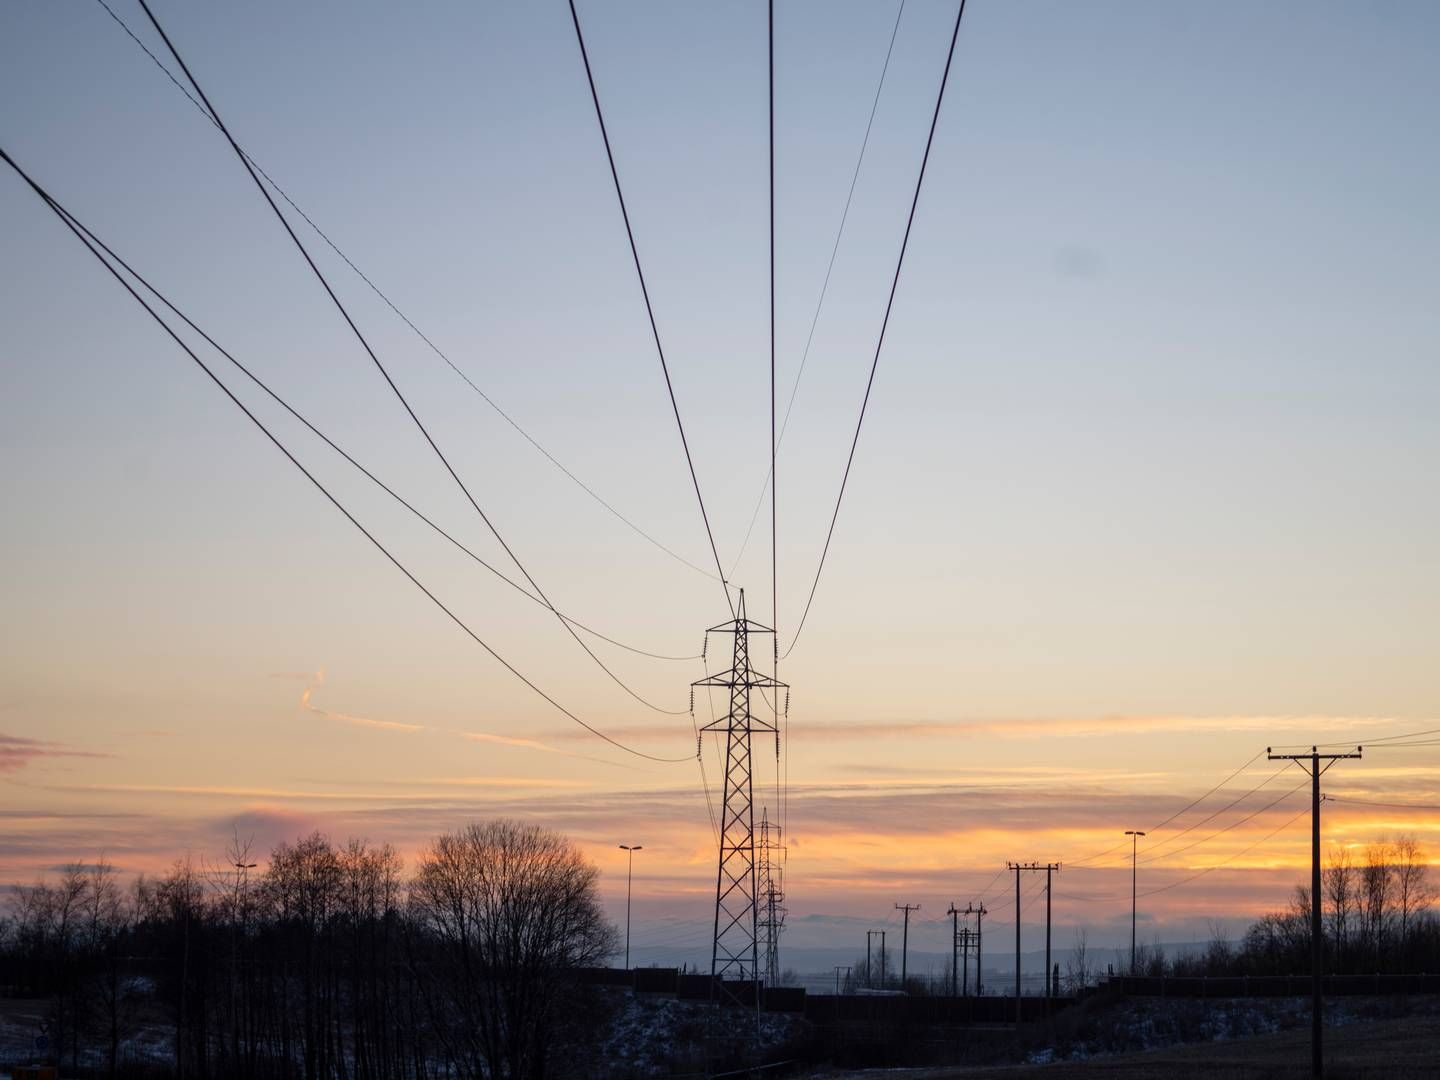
(728, 679)
(750, 625)
(755, 724)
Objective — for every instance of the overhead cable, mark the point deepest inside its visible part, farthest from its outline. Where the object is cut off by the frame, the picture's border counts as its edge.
(380, 366)
(385, 298)
(824, 290)
(73, 226)
(381, 484)
(884, 324)
(649, 308)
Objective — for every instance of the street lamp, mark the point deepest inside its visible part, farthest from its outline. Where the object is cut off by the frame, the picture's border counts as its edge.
(629, 877)
(1134, 835)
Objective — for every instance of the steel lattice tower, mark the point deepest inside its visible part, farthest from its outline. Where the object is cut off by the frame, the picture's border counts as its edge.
(735, 955)
(771, 895)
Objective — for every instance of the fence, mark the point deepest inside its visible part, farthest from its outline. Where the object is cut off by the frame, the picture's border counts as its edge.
(1231, 986)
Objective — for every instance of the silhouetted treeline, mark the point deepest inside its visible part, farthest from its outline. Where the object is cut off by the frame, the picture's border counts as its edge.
(1376, 916)
(326, 962)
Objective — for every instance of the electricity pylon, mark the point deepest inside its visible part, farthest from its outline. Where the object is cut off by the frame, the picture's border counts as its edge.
(735, 953)
(771, 896)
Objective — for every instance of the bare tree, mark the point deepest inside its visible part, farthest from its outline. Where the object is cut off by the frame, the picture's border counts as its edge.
(1219, 951)
(1077, 967)
(107, 921)
(1377, 879)
(1338, 885)
(1413, 892)
(510, 909)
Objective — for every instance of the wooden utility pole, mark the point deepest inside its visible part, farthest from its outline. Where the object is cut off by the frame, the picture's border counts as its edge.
(1017, 867)
(979, 913)
(1311, 764)
(905, 939)
(1134, 835)
(954, 914)
(1050, 868)
(1036, 867)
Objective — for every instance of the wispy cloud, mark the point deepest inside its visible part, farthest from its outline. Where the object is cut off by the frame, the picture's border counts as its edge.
(512, 740)
(494, 783)
(17, 752)
(519, 742)
(308, 705)
(1041, 727)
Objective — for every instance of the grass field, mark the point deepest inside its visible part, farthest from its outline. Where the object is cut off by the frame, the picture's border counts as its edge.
(1372, 1050)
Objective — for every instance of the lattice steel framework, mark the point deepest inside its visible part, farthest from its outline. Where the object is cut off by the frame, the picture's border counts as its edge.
(771, 896)
(735, 954)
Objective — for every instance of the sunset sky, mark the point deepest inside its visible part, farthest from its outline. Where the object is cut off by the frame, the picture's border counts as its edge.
(1146, 482)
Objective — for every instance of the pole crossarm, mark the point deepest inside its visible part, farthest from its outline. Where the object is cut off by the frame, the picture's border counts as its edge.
(1312, 757)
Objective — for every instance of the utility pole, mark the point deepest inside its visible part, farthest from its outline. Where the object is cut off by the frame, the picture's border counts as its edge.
(905, 939)
(1311, 764)
(629, 879)
(734, 954)
(1050, 868)
(954, 914)
(869, 970)
(1134, 835)
(1017, 868)
(882, 959)
(965, 960)
(839, 968)
(979, 913)
(1035, 867)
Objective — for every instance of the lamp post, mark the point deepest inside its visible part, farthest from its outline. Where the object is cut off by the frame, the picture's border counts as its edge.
(1134, 835)
(629, 877)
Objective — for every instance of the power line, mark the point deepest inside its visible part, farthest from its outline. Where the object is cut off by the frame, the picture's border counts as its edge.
(1386, 805)
(355, 329)
(279, 400)
(638, 530)
(1212, 791)
(824, 289)
(1209, 869)
(782, 763)
(1227, 828)
(983, 893)
(1206, 820)
(72, 225)
(1075, 863)
(884, 324)
(1372, 742)
(649, 308)
(1235, 824)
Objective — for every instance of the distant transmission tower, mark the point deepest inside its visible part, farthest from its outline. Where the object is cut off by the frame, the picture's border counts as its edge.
(771, 895)
(735, 955)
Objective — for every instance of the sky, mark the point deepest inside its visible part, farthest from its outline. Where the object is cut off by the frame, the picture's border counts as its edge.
(1140, 489)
